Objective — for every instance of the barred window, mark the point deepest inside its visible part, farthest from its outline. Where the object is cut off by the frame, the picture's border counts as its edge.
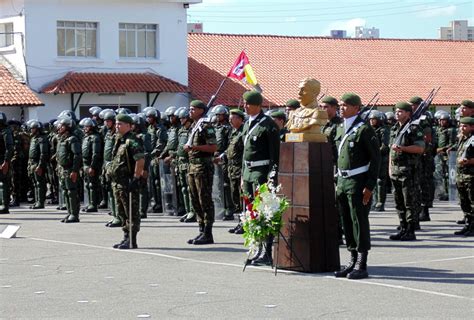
(6, 34)
(138, 40)
(77, 39)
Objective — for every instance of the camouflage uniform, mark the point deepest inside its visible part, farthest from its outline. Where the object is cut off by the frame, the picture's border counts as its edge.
(330, 129)
(222, 137)
(170, 150)
(109, 142)
(234, 154)
(92, 155)
(159, 139)
(145, 137)
(19, 166)
(380, 193)
(38, 158)
(427, 168)
(6, 153)
(446, 139)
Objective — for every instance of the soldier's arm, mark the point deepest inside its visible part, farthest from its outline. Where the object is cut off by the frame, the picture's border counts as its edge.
(371, 143)
(96, 153)
(161, 141)
(76, 151)
(139, 157)
(8, 139)
(44, 152)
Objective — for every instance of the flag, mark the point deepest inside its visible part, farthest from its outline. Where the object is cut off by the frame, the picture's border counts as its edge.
(242, 70)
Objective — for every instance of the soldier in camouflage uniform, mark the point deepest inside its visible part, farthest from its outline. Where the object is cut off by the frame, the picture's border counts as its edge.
(19, 163)
(404, 158)
(68, 156)
(200, 147)
(280, 119)
(126, 171)
(376, 119)
(6, 153)
(92, 160)
(446, 140)
(38, 158)
(291, 105)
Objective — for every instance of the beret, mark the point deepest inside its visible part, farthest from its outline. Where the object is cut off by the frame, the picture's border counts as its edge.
(403, 106)
(238, 112)
(330, 100)
(198, 104)
(468, 103)
(253, 97)
(351, 99)
(278, 114)
(415, 100)
(124, 118)
(467, 120)
(292, 103)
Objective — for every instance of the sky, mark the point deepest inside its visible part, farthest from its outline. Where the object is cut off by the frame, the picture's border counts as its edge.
(402, 19)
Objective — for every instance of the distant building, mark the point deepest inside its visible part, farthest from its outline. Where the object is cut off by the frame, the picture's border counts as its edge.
(458, 30)
(195, 28)
(338, 34)
(363, 32)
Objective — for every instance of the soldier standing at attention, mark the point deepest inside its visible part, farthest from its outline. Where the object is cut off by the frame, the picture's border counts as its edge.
(92, 148)
(446, 137)
(331, 105)
(68, 156)
(37, 162)
(291, 105)
(6, 153)
(126, 172)
(403, 163)
(261, 155)
(358, 166)
(19, 163)
(465, 174)
(200, 147)
(467, 108)
(280, 119)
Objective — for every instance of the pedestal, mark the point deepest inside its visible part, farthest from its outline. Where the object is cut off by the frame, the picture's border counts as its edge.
(311, 223)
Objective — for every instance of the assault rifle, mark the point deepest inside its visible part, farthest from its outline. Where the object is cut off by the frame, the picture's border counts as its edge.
(365, 110)
(415, 117)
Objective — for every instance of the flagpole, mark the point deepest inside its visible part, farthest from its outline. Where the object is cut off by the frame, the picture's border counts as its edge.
(214, 96)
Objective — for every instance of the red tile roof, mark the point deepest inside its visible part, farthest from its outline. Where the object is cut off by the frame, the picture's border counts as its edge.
(76, 82)
(397, 69)
(14, 93)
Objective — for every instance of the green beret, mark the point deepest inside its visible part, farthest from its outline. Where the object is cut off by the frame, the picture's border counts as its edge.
(330, 100)
(468, 103)
(415, 100)
(122, 117)
(404, 106)
(292, 103)
(467, 120)
(351, 99)
(278, 114)
(238, 112)
(198, 104)
(253, 97)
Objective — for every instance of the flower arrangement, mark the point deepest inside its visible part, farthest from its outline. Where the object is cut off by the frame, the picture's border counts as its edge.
(263, 215)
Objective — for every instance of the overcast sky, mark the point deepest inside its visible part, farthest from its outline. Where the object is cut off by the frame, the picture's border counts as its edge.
(395, 19)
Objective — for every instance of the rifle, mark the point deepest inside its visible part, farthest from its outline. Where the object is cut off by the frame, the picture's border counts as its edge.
(416, 116)
(323, 95)
(365, 111)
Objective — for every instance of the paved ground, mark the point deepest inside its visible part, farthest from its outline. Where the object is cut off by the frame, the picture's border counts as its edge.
(69, 271)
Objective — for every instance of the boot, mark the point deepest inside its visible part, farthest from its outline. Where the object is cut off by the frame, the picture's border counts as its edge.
(65, 218)
(201, 232)
(232, 230)
(228, 217)
(470, 230)
(410, 233)
(462, 221)
(14, 203)
(114, 223)
(4, 211)
(380, 207)
(72, 219)
(345, 270)
(400, 234)
(206, 237)
(130, 243)
(102, 205)
(190, 217)
(265, 257)
(360, 268)
(425, 214)
(125, 239)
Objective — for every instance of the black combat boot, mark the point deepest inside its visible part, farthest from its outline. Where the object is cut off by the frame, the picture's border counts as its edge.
(345, 270)
(398, 236)
(410, 233)
(425, 214)
(462, 221)
(470, 230)
(380, 207)
(130, 243)
(190, 217)
(360, 268)
(237, 227)
(72, 218)
(126, 236)
(206, 237)
(201, 232)
(265, 257)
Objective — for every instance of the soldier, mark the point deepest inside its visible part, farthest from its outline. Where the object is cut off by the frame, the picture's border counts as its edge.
(358, 165)
(261, 156)
(95, 115)
(376, 119)
(6, 153)
(19, 163)
(446, 140)
(280, 119)
(37, 162)
(200, 147)
(126, 173)
(465, 174)
(330, 104)
(68, 156)
(467, 108)
(92, 155)
(390, 116)
(404, 158)
(291, 105)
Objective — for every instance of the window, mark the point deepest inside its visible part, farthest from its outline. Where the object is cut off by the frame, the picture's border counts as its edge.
(77, 39)
(6, 34)
(137, 40)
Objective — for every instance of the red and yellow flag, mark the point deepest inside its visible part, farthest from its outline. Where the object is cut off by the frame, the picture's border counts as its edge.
(242, 70)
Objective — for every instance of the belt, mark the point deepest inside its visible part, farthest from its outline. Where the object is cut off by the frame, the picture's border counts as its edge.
(353, 172)
(259, 163)
(200, 160)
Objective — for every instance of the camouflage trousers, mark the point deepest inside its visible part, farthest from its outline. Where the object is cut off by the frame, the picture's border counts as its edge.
(5, 190)
(442, 174)
(92, 184)
(427, 180)
(70, 190)
(405, 193)
(122, 204)
(236, 194)
(19, 181)
(200, 191)
(465, 186)
(183, 185)
(39, 182)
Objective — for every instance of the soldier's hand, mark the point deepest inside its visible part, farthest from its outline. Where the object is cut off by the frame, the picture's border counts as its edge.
(134, 184)
(366, 194)
(73, 176)
(396, 148)
(39, 171)
(168, 160)
(187, 148)
(5, 167)
(91, 172)
(216, 160)
(145, 175)
(462, 162)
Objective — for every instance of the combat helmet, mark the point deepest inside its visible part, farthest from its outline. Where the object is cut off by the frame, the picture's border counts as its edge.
(88, 122)
(170, 111)
(95, 110)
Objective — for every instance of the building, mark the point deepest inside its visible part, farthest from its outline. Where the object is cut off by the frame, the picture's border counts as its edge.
(366, 33)
(195, 27)
(458, 30)
(338, 34)
(78, 54)
(395, 68)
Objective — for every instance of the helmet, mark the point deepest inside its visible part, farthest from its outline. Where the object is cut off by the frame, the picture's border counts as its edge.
(95, 111)
(444, 116)
(87, 122)
(3, 118)
(68, 114)
(139, 121)
(108, 114)
(34, 124)
(429, 115)
(124, 111)
(390, 115)
(182, 112)
(170, 111)
(46, 125)
(221, 109)
(68, 122)
(375, 114)
(438, 114)
(151, 112)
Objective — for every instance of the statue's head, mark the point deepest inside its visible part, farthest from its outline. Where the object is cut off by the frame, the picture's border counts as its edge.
(309, 91)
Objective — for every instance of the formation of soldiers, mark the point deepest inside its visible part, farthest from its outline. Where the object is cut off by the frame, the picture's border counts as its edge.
(151, 162)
